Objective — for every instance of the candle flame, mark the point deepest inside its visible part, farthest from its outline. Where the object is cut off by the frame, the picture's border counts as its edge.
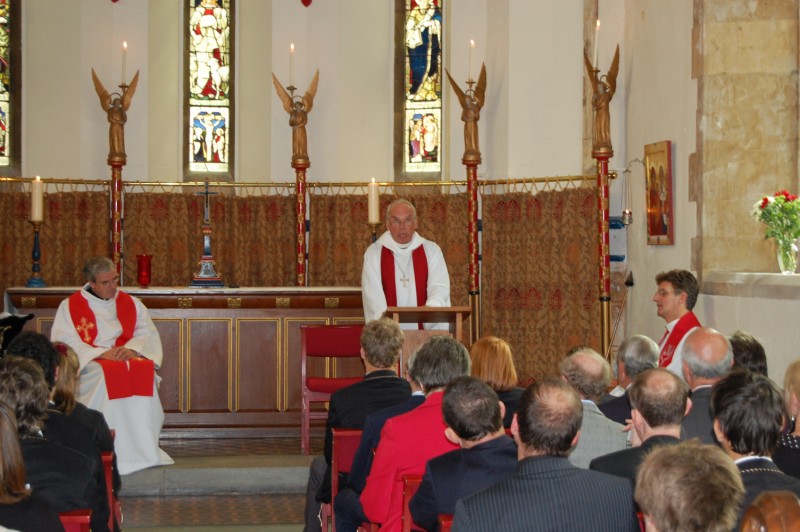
(291, 47)
(597, 26)
(124, 45)
(472, 43)
(38, 178)
(373, 179)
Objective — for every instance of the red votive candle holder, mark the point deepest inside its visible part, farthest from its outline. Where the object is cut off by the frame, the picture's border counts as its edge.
(143, 269)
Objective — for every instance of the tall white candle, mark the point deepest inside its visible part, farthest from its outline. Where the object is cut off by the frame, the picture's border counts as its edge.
(37, 200)
(596, 38)
(471, 47)
(124, 60)
(373, 202)
(291, 64)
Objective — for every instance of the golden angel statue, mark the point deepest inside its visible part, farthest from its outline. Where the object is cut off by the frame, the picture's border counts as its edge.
(603, 89)
(116, 107)
(471, 104)
(298, 109)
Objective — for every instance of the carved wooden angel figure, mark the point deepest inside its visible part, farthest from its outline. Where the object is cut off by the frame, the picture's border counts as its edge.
(298, 109)
(116, 107)
(603, 90)
(471, 103)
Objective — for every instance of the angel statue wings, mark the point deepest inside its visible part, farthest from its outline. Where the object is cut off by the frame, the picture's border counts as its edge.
(471, 103)
(298, 109)
(116, 107)
(603, 88)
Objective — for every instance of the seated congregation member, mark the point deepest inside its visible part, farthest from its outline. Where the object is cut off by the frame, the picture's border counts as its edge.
(787, 455)
(18, 509)
(748, 353)
(410, 440)
(381, 342)
(688, 487)
(589, 374)
(659, 399)
(64, 477)
(119, 349)
(493, 363)
(748, 417)
(547, 492)
(636, 354)
(707, 358)
(64, 401)
(474, 418)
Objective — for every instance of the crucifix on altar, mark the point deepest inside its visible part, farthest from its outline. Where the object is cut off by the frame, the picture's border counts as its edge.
(207, 276)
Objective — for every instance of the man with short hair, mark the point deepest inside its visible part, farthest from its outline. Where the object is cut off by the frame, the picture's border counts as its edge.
(547, 492)
(589, 374)
(707, 358)
(689, 486)
(675, 298)
(636, 354)
(410, 440)
(660, 400)
(749, 415)
(402, 269)
(474, 417)
(381, 342)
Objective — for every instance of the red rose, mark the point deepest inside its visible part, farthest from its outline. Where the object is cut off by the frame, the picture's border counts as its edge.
(764, 202)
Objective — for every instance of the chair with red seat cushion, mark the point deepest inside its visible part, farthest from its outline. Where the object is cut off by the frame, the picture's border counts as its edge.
(345, 444)
(325, 341)
(410, 486)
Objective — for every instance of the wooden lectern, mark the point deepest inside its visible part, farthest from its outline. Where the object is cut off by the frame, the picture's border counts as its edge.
(454, 316)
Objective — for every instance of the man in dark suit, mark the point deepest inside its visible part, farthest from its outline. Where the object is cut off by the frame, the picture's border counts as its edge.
(547, 492)
(748, 412)
(474, 415)
(660, 400)
(636, 354)
(381, 341)
(707, 358)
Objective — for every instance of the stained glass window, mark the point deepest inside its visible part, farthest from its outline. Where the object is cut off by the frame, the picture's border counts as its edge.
(209, 75)
(423, 38)
(9, 85)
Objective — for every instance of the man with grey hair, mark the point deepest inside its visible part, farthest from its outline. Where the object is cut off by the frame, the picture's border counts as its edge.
(402, 269)
(590, 374)
(636, 354)
(707, 359)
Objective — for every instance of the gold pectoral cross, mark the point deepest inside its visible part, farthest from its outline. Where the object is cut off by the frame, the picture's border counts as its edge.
(404, 280)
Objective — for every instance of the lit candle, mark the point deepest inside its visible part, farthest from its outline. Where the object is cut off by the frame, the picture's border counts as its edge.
(37, 200)
(596, 38)
(471, 47)
(373, 202)
(291, 64)
(124, 59)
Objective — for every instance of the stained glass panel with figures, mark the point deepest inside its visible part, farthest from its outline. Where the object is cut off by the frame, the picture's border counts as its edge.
(9, 85)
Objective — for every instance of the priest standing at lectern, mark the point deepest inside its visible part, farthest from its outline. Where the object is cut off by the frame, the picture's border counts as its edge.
(402, 269)
(118, 349)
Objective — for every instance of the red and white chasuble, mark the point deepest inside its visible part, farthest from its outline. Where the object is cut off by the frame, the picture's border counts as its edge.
(672, 343)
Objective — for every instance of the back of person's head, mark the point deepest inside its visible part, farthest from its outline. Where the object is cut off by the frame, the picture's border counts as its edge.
(440, 360)
(707, 353)
(24, 390)
(659, 396)
(689, 487)
(791, 388)
(587, 372)
(382, 340)
(12, 467)
(68, 367)
(548, 417)
(96, 266)
(750, 412)
(493, 363)
(471, 408)
(683, 282)
(748, 353)
(637, 353)
(37, 347)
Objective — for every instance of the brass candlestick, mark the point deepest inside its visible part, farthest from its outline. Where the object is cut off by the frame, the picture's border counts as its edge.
(374, 228)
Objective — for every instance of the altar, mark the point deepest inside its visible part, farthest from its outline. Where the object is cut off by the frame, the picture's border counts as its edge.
(231, 355)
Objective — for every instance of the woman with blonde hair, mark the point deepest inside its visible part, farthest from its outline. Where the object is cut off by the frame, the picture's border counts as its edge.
(787, 455)
(493, 363)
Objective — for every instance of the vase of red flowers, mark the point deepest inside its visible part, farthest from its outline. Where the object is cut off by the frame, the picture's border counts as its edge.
(781, 214)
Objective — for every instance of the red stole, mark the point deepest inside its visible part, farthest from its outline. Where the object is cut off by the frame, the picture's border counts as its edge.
(420, 262)
(685, 323)
(123, 379)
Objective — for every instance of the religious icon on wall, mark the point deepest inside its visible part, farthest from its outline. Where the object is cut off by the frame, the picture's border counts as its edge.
(208, 146)
(658, 180)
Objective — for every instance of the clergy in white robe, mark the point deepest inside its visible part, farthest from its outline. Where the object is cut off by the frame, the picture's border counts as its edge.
(101, 324)
(402, 269)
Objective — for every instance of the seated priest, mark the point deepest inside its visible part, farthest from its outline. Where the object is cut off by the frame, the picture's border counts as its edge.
(119, 349)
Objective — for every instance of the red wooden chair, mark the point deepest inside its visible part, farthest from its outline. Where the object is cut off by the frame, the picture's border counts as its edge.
(327, 341)
(76, 520)
(445, 522)
(410, 485)
(345, 444)
(774, 511)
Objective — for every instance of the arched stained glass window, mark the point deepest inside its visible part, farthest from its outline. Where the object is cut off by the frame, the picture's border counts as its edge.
(209, 78)
(10, 77)
(421, 124)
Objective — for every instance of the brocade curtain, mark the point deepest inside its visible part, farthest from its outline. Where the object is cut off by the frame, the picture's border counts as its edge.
(540, 264)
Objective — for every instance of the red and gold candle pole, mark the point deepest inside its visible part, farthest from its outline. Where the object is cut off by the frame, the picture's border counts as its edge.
(300, 168)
